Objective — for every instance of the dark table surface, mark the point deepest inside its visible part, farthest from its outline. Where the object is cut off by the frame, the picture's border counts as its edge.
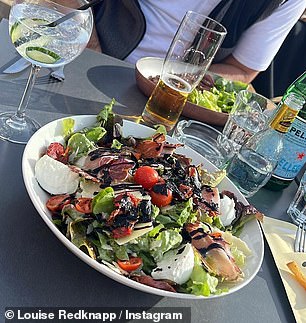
(36, 270)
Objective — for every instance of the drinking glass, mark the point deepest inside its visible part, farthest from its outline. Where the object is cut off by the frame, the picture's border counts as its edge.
(188, 58)
(249, 115)
(43, 46)
(297, 208)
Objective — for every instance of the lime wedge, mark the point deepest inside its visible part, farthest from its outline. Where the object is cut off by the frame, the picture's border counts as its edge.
(42, 55)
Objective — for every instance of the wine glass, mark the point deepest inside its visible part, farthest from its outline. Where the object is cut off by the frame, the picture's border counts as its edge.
(43, 46)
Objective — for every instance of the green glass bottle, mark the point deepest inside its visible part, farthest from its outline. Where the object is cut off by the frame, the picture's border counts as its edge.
(298, 87)
(293, 156)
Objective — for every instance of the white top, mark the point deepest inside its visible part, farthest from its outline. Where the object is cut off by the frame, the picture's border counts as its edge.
(255, 49)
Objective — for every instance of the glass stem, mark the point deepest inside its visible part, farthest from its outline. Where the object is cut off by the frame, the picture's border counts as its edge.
(20, 114)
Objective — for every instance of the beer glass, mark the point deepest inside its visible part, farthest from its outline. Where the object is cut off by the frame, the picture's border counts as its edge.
(188, 58)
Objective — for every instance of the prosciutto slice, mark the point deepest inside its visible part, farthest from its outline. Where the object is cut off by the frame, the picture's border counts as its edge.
(215, 252)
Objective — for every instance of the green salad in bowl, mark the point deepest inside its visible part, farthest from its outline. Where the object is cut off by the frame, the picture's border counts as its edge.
(217, 95)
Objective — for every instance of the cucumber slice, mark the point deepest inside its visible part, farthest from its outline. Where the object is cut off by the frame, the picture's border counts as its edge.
(42, 55)
(19, 27)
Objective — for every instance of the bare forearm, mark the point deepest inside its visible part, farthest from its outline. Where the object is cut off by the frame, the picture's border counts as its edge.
(230, 72)
(231, 69)
(94, 41)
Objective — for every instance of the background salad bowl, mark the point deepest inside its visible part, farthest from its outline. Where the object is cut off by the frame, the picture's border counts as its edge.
(51, 132)
(148, 67)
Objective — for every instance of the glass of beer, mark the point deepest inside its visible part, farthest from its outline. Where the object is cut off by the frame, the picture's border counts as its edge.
(189, 56)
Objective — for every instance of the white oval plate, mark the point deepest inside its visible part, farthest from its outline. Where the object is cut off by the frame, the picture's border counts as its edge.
(52, 132)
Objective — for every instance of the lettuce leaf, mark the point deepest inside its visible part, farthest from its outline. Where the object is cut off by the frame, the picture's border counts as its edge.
(111, 123)
(161, 129)
(163, 242)
(95, 134)
(105, 251)
(229, 86)
(108, 249)
(70, 212)
(79, 145)
(238, 247)
(179, 214)
(106, 114)
(116, 144)
(205, 99)
(141, 246)
(239, 256)
(156, 242)
(154, 211)
(68, 127)
(103, 202)
(79, 238)
(211, 220)
(220, 98)
(200, 281)
(148, 262)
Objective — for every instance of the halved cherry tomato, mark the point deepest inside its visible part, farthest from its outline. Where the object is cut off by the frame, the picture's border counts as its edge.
(146, 176)
(57, 202)
(83, 205)
(161, 195)
(130, 265)
(121, 232)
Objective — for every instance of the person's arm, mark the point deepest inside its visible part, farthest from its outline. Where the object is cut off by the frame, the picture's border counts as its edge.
(231, 69)
(259, 44)
(94, 43)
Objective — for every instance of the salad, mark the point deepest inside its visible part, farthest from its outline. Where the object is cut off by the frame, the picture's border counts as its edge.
(217, 95)
(144, 210)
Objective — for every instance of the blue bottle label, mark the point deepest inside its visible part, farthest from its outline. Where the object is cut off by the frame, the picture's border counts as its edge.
(293, 156)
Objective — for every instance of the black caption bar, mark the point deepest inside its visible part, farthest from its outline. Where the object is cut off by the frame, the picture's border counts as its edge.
(98, 314)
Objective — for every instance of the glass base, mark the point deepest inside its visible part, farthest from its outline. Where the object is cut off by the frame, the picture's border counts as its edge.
(16, 129)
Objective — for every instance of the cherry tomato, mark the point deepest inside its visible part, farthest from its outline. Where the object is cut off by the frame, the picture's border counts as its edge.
(83, 205)
(121, 232)
(161, 195)
(130, 265)
(56, 203)
(146, 176)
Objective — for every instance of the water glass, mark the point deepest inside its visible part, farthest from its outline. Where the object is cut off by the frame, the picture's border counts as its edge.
(250, 169)
(297, 208)
(249, 115)
(188, 58)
